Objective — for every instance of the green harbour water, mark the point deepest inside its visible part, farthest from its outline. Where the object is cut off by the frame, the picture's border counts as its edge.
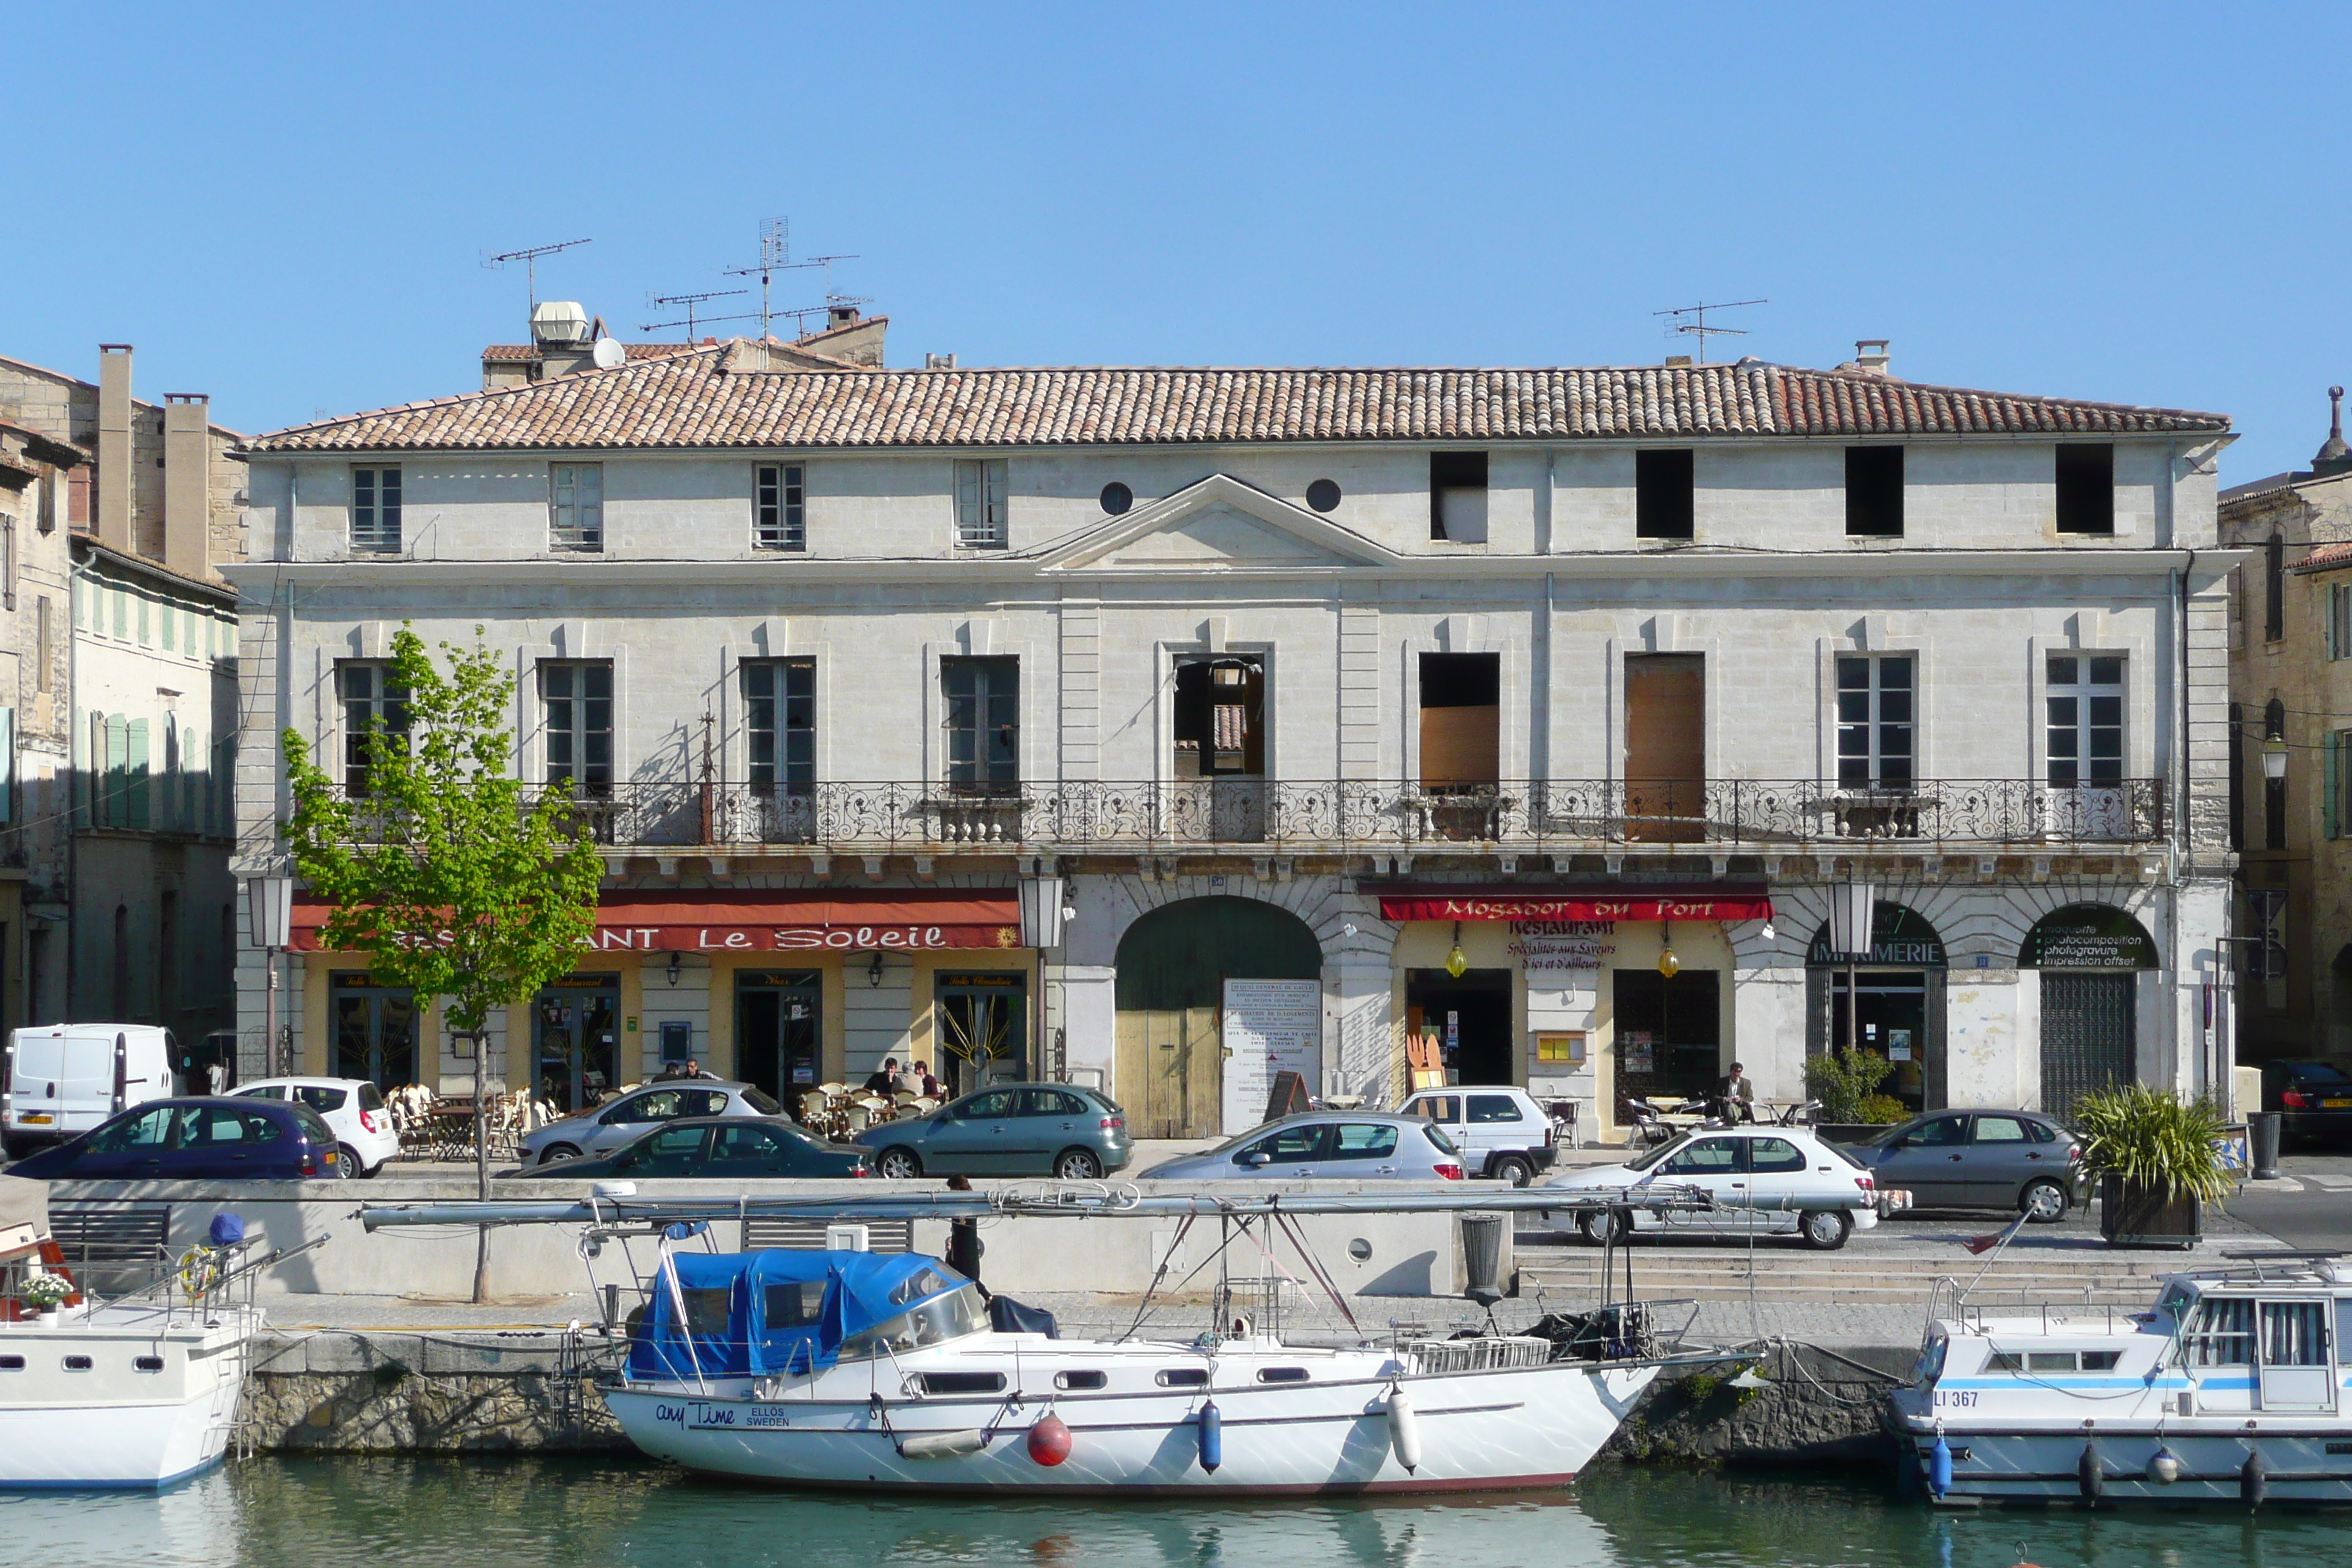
(505, 1512)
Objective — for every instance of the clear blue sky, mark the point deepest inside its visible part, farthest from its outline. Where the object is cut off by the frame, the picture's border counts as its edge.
(283, 206)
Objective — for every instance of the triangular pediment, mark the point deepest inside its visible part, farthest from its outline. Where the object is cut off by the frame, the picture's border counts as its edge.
(1218, 524)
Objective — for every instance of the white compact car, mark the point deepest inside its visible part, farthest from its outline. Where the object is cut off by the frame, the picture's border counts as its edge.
(1763, 1178)
(1500, 1130)
(352, 1109)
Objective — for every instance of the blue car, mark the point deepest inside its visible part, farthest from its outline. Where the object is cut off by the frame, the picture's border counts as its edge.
(214, 1139)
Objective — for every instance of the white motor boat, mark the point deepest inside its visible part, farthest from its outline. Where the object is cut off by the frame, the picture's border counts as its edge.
(2232, 1389)
(139, 1392)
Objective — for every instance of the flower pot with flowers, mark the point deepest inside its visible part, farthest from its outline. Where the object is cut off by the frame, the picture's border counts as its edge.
(45, 1293)
(2157, 1160)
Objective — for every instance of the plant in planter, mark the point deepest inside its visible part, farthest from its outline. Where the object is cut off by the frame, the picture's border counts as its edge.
(1845, 1082)
(45, 1292)
(2158, 1158)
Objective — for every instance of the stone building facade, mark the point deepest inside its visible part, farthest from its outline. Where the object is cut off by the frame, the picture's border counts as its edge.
(1531, 714)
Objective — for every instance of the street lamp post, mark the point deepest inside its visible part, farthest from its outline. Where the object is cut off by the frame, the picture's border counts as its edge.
(1852, 910)
(269, 910)
(1042, 920)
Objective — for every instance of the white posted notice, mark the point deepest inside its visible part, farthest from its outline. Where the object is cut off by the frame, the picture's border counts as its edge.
(1271, 1027)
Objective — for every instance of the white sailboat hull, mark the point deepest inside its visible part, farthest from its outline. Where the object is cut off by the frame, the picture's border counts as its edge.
(127, 1398)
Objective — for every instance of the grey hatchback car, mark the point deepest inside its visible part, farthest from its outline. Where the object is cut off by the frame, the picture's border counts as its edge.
(1332, 1145)
(628, 1117)
(1008, 1129)
(2016, 1160)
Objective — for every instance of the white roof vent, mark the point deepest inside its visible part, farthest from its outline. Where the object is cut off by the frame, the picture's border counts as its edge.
(559, 322)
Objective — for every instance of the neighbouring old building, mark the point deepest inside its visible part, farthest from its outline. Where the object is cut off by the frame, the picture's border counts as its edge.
(1532, 712)
(2290, 728)
(121, 637)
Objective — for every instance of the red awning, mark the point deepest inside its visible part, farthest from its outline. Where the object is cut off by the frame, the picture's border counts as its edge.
(775, 920)
(1574, 904)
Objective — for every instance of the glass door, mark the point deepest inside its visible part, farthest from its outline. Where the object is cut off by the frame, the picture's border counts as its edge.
(983, 1030)
(375, 1031)
(778, 1043)
(576, 1049)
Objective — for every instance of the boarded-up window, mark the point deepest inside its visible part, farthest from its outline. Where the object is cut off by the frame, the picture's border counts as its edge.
(78, 498)
(1461, 720)
(1665, 746)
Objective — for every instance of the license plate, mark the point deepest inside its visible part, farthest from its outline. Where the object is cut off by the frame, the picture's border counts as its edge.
(34, 1119)
(2336, 1104)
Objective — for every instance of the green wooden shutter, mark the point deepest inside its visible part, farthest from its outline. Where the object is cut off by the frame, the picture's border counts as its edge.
(7, 764)
(2330, 763)
(136, 776)
(118, 751)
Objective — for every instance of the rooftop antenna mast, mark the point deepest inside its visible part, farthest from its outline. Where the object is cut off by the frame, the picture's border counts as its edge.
(775, 256)
(662, 301)
(1695, 325)
(530, 259)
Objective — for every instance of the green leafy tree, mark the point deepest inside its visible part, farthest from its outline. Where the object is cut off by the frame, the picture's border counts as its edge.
(444, 872)
(1844, 1081)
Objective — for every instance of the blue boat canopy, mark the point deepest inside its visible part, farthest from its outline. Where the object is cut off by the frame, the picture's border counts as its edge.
(758, 1314)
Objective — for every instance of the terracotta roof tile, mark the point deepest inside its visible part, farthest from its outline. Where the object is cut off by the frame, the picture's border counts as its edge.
(2326, 557)
(689, 399)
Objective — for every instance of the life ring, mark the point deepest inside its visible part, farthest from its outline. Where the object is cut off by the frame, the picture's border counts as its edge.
(200, 1270)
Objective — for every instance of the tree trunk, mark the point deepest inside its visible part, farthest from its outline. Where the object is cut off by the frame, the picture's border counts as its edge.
(481, 1166)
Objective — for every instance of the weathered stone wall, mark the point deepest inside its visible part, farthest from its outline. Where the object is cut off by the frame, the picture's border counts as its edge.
(1814, 1409)
(408, 1393)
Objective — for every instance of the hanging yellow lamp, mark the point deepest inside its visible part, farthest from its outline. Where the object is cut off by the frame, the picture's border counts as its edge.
(1668, 964)
(1455, 960)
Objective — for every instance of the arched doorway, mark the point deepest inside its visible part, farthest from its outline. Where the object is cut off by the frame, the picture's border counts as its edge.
(1896, 1006)
(1173, 966)
(2089, 955)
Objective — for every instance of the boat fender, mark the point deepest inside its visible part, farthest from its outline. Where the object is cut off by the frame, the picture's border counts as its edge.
(2253, 1480)
(942, 1445)
(1212, 1437)
(1939, 1468)
(2090, 1476)
(2164, 1468)
(1405, 1432)
(1049, 1440)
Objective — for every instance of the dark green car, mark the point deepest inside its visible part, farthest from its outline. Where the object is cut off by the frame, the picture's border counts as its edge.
(1008, 1129)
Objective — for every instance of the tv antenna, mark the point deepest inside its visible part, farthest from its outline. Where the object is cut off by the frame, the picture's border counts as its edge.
(530, 259)
(775, 256)
(662, 301)
(1695, 326)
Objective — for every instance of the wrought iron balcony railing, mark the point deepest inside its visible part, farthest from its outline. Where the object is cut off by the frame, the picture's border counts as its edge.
(1552, 815)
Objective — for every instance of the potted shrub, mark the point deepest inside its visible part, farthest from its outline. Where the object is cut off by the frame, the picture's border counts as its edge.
(1846, 1084)
(2158, 1159)
(45, 1293)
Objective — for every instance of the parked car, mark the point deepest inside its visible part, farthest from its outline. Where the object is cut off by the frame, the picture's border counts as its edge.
(725, 1147)
(213, 1139)
(624, 1119)
(1343, 1144)
(352, 1107)
(1008, 1129)
(59, 1080)
(1500, 1130)
(1743, 1169)
(2314, 1100)
(2020, 1161)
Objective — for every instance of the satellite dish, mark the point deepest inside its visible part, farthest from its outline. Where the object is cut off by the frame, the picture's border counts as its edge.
(610, 354)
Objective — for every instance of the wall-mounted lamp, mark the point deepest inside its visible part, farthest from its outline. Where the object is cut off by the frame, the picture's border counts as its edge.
(1456, 962)
(676, 966)
(2274, 751)
(874, 971)
(1769, 934)
(1669, 965)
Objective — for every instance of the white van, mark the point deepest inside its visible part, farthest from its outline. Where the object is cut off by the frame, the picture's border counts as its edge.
(61, 1080)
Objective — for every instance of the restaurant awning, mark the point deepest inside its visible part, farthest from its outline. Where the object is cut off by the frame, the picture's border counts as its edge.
(1608, 903)
(775, 920)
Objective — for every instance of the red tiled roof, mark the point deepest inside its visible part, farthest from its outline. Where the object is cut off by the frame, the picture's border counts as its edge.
(2326, 557)
(689, 400)
(511, 354)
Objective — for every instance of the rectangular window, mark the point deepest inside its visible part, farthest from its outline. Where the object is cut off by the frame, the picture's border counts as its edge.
(2087, 488)
(1461, 721)
(983, 722)
(374, 703)
(2275, 589)
(2086, 720)
(7, 563)
(779, 518)
(576, 712)
(375, 511)
(780, 722)
(1665, 487)
(1457, 497)
(2336, 780)
(1875, 722)
(575, 506)
(2339, 621)
(45, 641)
(1873, 492)
(979, 504)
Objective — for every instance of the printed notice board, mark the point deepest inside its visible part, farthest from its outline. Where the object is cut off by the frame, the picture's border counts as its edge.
(1271, 1027)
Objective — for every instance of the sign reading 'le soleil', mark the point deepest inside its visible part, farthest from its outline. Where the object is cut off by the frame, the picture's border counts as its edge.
(795, 939)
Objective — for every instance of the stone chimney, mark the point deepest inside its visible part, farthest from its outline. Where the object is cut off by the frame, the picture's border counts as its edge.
(1870, 357)
(2334, 456)
(187, 482)
(114, 465)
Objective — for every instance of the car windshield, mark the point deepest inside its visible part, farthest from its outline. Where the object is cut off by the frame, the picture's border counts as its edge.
(2318, 1072)
(1662, 1151)
(942, 1317)
(762, 1102)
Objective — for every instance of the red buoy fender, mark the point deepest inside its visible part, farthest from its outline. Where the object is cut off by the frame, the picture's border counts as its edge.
(1049, 1441)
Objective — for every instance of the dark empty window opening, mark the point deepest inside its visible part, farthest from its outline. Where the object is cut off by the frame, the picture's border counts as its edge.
(1663, 503)
(1457, 497)
(1461, 720)
(1873, 492)
(2087, 489)
(1220, 716)
(2275, 589)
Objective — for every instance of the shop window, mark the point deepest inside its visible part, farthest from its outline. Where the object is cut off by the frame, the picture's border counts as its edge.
(1667, 1032)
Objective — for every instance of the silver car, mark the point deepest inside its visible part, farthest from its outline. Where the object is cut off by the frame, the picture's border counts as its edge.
(1332, 1144)
(625, 1118)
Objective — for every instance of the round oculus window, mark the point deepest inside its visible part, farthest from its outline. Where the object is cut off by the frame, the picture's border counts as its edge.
(1323, 495)
(1117, 497)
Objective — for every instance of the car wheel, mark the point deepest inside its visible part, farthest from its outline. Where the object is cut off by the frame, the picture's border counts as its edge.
(898, 1165)
(1825, 1230)
(2045, 1202)
(554, 1152)
(1078, 1165)
(349, 1158)
(1604, 1227)
(1512, 1170)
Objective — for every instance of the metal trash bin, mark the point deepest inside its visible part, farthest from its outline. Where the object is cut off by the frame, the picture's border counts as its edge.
(1485, 1253)
(2262, 1144)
